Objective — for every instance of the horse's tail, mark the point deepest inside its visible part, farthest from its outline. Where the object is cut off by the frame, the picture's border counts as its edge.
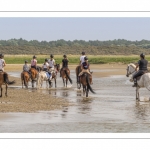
(78, 69)
(88, 84)
(6, 80)
(68, 76)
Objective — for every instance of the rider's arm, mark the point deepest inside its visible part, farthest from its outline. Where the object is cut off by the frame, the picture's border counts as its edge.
(137, 67)
(4, 64)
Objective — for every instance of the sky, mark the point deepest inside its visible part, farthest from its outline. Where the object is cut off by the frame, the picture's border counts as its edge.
(75, 28)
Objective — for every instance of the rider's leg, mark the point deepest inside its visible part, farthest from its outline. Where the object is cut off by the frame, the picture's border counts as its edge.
(139, 73)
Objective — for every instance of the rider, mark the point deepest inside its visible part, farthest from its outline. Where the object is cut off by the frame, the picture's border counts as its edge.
(2, 62)
(45, 66)
(34, 62)
(142, 64)
(26, 67)
(64, 63)
(82, 58)
(85, 67)
(51, 62)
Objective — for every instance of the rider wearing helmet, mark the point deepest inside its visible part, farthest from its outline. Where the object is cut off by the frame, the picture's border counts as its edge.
(26, 66)
(82, 58)
(64, 63)
(45, 66)
(2, 62)
(85, 67)
(142, 65)
(34, 62)
(51, 62)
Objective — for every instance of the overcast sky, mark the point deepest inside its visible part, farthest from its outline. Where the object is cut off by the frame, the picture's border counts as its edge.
(49, 29)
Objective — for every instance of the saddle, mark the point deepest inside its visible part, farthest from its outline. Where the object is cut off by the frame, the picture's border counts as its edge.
(139, 77)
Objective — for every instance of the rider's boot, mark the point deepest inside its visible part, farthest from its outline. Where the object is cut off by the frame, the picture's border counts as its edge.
(135, 83)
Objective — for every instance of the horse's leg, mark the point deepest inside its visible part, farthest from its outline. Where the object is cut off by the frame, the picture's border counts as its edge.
(55, 83)
(87, 91)
(83, 90)
(1, 91)
(64, 82)
(32, 83)
(6, 90)
(137, 93)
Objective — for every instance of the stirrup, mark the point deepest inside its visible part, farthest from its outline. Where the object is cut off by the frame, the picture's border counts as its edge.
(134, 85)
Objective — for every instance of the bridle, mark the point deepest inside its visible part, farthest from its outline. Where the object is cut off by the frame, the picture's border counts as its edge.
(130, 72)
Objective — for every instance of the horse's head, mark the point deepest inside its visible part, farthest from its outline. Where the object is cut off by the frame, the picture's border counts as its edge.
(130, 69)
(57, 66)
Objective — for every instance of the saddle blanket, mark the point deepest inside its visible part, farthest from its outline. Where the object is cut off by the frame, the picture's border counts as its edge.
(48, 75)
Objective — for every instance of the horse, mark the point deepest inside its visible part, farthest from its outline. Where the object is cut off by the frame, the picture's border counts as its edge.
(144, 80)
(65, 74)
(78, 70)
(85, 80)
(54, 74)
(25, 78)
(44, 77)
(4, 81)
(34, 75)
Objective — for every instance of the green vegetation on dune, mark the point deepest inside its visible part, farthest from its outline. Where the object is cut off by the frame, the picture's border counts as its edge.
(74, 59)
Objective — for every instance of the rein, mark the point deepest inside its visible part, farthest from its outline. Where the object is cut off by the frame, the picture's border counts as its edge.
(131, 72)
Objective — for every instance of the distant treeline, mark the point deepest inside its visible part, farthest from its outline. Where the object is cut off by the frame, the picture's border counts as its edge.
(111, 47)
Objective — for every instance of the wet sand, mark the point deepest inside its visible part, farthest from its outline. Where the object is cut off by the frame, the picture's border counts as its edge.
(22, 100)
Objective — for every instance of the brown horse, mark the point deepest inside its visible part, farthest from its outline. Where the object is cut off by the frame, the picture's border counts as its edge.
(25, 77)
(78, 70)
(54, 75)
(65, 74)
(4, 81)
(34, 75)
(86, 80)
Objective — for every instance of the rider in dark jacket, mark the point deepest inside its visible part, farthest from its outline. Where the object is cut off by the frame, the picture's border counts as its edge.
(142, 64)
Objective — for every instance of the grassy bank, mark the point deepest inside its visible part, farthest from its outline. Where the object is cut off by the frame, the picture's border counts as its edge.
(74, 59)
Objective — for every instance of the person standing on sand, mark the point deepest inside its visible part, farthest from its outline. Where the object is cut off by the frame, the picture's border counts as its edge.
(2, 62)
(34, 62)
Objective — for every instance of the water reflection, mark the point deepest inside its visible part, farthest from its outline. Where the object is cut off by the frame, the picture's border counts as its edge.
(142, 111)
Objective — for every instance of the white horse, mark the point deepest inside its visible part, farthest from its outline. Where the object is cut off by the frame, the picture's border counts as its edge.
(43, 77)
(144, 81)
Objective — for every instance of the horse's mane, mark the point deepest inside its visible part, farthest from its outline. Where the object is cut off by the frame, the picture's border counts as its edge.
(133, 65)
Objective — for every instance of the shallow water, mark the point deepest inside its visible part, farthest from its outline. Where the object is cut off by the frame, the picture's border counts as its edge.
(112, 109)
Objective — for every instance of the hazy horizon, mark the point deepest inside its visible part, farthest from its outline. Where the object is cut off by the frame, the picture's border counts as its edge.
(69, 28)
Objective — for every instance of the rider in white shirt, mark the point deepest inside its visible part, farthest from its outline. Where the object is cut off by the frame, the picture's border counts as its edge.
(51, 62)
(2, 62)
(82, 58)
(45, 66)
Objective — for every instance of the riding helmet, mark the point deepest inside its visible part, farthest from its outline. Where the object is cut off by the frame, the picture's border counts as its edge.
(26, 61)
(51, 56)
(85, 58)
(65, 56)
(83, 53)
(34, 56)
(142, 55)
(46, 59)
